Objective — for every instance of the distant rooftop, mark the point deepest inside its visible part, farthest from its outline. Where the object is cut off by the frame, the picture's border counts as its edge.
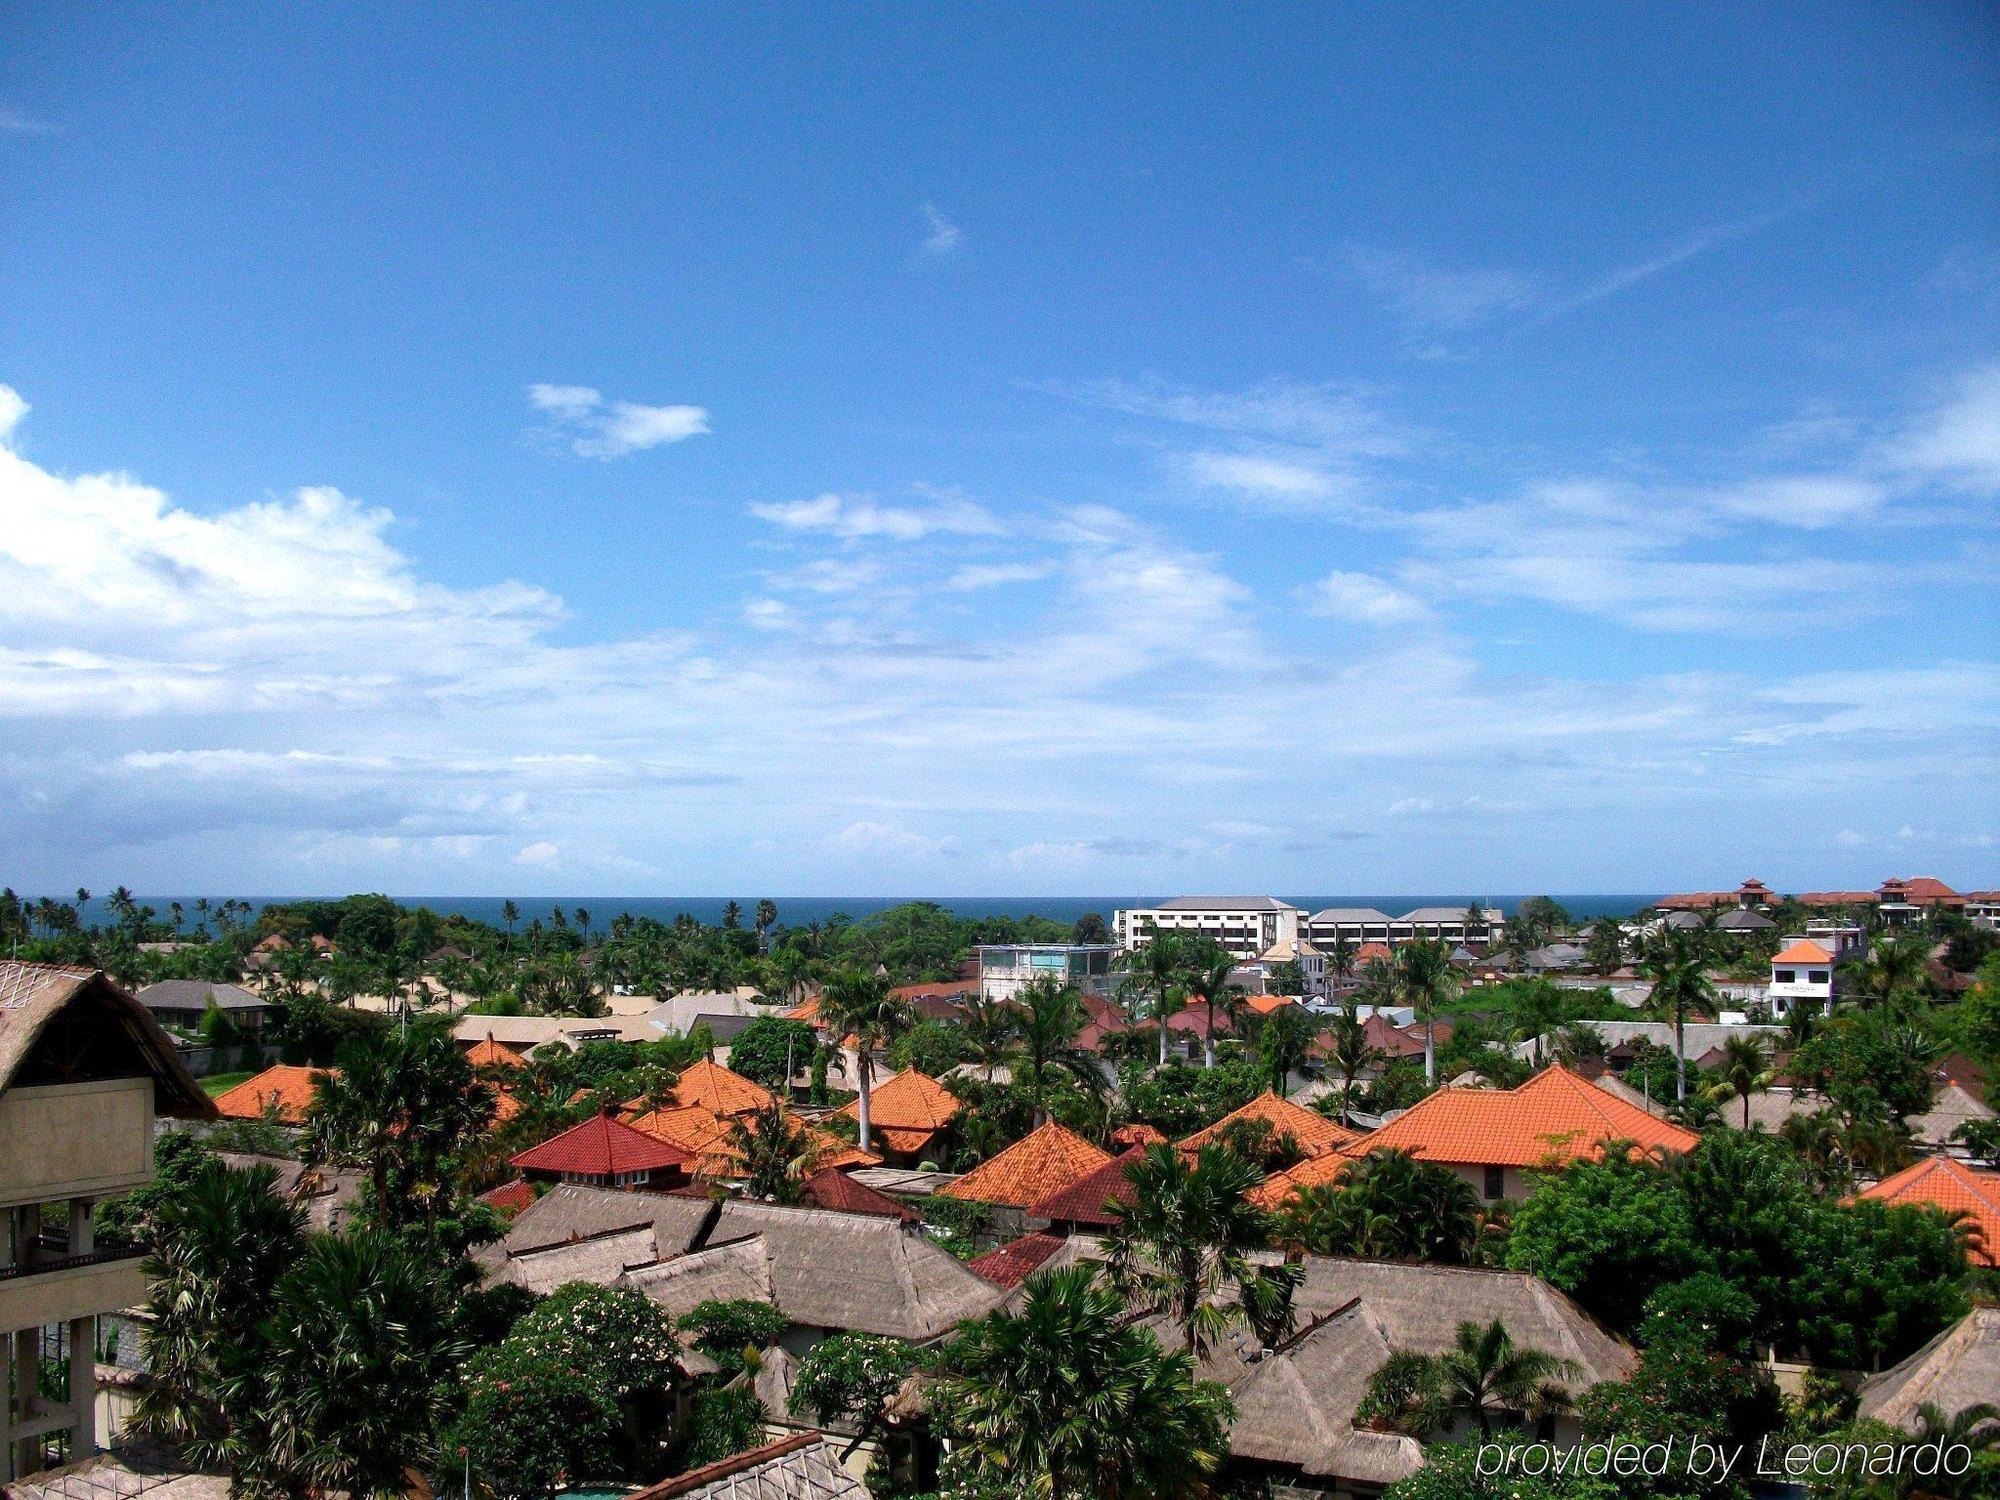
(1222, 903)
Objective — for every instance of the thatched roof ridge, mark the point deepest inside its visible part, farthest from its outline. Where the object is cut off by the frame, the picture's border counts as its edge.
(1957, 1369)
(32, 996)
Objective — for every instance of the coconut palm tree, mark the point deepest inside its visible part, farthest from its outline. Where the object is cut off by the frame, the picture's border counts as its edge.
(778, 1156)
(1679, 969)
(1745, 1068)
(1975, 1427)
(859, 1005)
(1340, 954)
(1387, 1206)
(1067, 1400)
(1426, 980)
(1894, 975)
(732, 916)
(1208, 983)
(1537, 1005)
(1182, 1245)
(990, 1028)
(766, 918)
(1351, 1054)
(1485, 1374)
(1160, 967)
(510, 914)
(1284, 1045)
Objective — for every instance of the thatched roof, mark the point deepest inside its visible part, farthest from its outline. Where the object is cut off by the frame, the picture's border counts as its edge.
(1295, 1403)
(1957, 1369)
(562, 1230)
(738, 1271)
(800, 1467)
(35, 997)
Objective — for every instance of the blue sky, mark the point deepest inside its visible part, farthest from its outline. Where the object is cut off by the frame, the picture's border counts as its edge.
(872, 449)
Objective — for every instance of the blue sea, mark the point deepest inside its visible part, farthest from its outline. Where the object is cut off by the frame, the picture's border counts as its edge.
(799, 911)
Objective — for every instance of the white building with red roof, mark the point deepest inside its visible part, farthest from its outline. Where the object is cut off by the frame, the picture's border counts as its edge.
(1802, 974)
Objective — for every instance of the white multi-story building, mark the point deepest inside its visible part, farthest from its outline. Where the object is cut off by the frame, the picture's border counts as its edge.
(1245, 925)
(1004, 968)
(1801, 975)
(1982, 908)
(1364, 924)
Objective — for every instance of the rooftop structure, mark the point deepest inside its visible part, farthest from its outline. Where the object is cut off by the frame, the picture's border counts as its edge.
(1244, 925)
(1311, 1132)
(905, 1113)
(281, 1091)
(605, 1153)
(1365, 924)
(1091, 1201)
(802, 1466)
(1952, 1188)
(1957, 1369)
(183, 1003)
(1045, 1161)
(1007, 968)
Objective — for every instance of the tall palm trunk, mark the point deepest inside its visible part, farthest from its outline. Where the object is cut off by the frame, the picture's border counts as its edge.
(1208, 1041)
(864, 1075)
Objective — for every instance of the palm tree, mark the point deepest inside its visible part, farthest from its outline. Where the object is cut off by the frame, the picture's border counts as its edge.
(1209, 983)
(1975, 1428)
(1679, 969)
(1537, 1004)
(1894, 975)
(1068, 1400)
(1351, 1054)
(1340, 953)
(1484, 1374)
(859, 1005)
(1746, 1068)
(990, 1028)
(732, 916)
(1425, 979)
(220, 1247)
(583, 921)
(403, 1106)
(1183, 1243)
(358, 1372)
(510, 914)
(765, 919)
(1049, 1016)
(777, 1155)
(1161, 962)
(1387, 1206)
(1284, 1045)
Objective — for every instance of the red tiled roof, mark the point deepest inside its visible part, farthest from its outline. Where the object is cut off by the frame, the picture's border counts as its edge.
(291, 1088)
(710, 1140)
(510, 1197)
(602, 1147)
(1554, 1117)
(1017, 1260)
(1922, 890)
(832, 1188)
(1084, 1201)
(719, 1091)
(1951, 1187)
(1371, 950)
(940, 991)
(1804, 951)
(1274, 1190)
(1042, 1162)
(1312, 1132)
(1263, 1005)
(1138, 1133)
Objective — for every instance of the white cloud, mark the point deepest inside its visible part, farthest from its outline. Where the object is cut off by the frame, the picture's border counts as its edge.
(877, 839)
(853, 517)
(593, 428)
(1440, 297)
(1337, 421)
(1810, 501)
(12, 409)
(941, 235)
(1957, 442)
(1275, 479)
(543, 854)
(975, 576)
(18, 123)
(1364, 600)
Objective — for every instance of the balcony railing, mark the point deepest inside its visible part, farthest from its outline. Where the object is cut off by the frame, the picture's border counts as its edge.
(44, 1257)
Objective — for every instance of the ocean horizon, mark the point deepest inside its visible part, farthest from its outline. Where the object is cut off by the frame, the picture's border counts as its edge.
(800, 911)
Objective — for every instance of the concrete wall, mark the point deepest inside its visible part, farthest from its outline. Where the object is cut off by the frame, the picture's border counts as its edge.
(78, 1140)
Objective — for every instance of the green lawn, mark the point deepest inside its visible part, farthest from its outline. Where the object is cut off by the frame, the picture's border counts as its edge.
(217, 1083)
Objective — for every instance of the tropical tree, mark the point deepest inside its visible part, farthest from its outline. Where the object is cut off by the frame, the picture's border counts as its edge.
(1161, 964)
(1387, 1206)
(1895, 975)
(1284, 1045)
(1068, 1400)
(1745, 1068)
(1182, 1245)
(353, 1374)
(1678, 966)
(858, 1005)
(1049, 1016)
(777, 1155)
(221, 1247)
(1484, 1375)
(1208, 982)
(1426, 980)
(1351, 1054)
(403, 1106)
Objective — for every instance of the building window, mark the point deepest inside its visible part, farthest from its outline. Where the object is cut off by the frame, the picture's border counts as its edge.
(1787, 976)
(1496, 1183)
(1818, 976)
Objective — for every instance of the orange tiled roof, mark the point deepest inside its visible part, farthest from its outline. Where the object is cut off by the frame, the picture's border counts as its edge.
(707, 1137)
(510, 1197)
(492, 1054)
(1138, 1133)
(1554, 1117)
(601, 1147)
(911, 1103)
(1263, 1005)
(1042, 1162)
(831, 1188)
(1371, 950)
(1315, 1134)
(718, 1090)
(1804, 951)
(1087, 1201)
(505, 1106)
(1272, 1193)
(290, 1087)
(1953, 1187)
(1017, 1260)
(806, 1010)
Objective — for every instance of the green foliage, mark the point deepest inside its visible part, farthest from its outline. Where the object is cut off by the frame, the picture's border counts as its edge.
(217, 1030)
(847, 1376)
(1452, 1472)
(1887, 1277)
(179, 1158)
(1483, 1375)
(933, 1047)
(1388, 1206)
(1608, 1233)
(731, 1332)
(721, 1422)
(613, 1333)
(1871, 1067)
(1178, 1100)
(1705, 1312)
(1680, 1390)
(1067, 1397)
(965, 1225)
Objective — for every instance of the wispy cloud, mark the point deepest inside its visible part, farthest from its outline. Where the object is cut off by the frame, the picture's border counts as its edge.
(853, 517)
(942, 236)
(591, 427)
(1364, 599)
(1441, 297)
(16, 122)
